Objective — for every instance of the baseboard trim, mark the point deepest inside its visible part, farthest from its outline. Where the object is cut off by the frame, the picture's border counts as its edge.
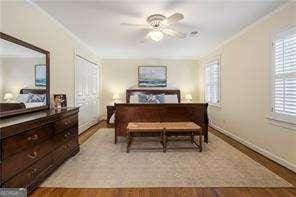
(86, 126)
(256, 148)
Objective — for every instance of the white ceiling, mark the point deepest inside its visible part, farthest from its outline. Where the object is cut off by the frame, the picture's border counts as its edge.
(97, 23)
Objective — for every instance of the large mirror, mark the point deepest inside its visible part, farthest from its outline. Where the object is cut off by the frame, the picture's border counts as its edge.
(24, 77)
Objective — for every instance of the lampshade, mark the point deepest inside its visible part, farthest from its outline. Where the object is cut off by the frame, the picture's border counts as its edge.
(8, 96)
(116, 96)
(156, 35)
(188, 97)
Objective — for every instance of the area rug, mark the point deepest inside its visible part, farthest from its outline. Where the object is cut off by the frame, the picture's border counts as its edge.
(103, 164)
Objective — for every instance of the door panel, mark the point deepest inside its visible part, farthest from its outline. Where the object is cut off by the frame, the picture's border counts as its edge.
(87, 92)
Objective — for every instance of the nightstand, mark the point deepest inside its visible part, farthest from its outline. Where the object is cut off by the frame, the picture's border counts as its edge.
(110, 112)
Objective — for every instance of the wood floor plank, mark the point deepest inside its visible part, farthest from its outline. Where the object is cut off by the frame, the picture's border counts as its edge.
(160, 192)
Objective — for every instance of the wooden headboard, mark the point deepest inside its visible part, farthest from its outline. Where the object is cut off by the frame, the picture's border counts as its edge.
(33, 91)
(130, 92)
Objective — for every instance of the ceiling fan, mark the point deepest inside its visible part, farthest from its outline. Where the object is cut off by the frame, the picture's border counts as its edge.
(159, 25)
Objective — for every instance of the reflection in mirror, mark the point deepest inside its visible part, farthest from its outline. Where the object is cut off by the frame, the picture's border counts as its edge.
(22, 77)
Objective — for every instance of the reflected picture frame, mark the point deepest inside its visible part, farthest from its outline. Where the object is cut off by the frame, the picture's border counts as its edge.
(40, 75)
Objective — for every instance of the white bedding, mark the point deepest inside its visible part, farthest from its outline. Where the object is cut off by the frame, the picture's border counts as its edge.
(112, 119)
(25, 98)
(173, 98)
(36, 104)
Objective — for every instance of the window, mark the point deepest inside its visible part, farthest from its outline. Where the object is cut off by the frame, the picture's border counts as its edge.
(212, 82)
(283, 77)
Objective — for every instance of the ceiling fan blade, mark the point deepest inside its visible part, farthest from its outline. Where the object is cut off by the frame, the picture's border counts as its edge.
(173, 19)
(174, 33)
(145, 39)
(135, 25)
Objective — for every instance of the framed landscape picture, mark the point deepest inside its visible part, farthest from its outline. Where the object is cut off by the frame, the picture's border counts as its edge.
(40, 75)
(152, 76)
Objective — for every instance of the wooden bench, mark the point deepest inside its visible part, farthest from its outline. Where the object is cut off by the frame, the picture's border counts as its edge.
(165, 129)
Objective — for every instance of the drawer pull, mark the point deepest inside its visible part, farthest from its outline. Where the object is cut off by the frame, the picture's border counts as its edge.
(32, 138)
(32, 155)
(66, 146)
(67, 134)
(67, 123)
(32, 172)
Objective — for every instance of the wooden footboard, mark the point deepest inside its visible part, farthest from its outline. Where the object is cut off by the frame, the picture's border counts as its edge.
(179, 112)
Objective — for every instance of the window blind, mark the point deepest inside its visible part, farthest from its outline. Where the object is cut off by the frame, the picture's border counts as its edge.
(212, 85)
(284, 75)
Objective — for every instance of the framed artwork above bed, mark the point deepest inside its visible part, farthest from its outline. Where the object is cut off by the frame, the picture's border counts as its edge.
(152, 76)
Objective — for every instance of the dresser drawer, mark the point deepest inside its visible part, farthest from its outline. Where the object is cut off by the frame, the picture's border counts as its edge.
(65, 123)
(24, 178)
(18, 143)
(22, 160)
(64, 151)
(65, 136)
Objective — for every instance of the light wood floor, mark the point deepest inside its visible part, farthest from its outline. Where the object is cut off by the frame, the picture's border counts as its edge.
(283, 172)
(167, 192)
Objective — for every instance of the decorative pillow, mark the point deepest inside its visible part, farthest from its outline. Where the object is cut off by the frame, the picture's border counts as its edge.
(171, 98)
(34, 98)
(160, 98)
(142, 98)
(22, 98)
(134, 99)
(152, 99)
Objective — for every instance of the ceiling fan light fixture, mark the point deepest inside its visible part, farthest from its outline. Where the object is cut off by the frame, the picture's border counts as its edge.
(156, 35)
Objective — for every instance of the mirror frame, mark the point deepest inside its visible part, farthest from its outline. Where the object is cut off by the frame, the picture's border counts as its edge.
(47, 64)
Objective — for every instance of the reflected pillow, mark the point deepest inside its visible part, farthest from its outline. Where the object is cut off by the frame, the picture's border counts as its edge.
(22, 98)
(34, 98)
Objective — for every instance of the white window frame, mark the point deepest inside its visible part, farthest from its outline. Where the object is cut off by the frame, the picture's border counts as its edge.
(281, 117)
(218, 59)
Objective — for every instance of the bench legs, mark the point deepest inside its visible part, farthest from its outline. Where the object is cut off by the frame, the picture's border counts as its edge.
(164, 140)
(199, 144)
(128, 141)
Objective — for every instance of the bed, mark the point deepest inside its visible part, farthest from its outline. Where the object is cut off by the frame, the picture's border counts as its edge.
(159, 112)
(22, 100)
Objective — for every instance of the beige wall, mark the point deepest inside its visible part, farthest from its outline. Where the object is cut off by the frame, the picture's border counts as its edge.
(245, 66)
(28, 23)
(120, 74)
(18, 73)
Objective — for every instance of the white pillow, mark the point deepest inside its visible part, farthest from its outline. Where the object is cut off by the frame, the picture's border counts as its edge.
(22, 98)
(112, 119)
(134, 99)
(171, 98)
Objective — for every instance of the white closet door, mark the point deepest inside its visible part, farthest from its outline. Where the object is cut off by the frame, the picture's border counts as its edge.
(86, 91)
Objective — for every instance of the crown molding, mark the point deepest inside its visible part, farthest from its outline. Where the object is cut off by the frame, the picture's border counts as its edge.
(148, 58)
(63, 27)
(247, 28)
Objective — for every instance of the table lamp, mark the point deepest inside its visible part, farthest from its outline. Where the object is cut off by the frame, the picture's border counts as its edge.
(8, 97)
(188, 98)
(116, 97)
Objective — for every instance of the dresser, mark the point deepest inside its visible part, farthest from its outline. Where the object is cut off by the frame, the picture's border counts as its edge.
(34, 145)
